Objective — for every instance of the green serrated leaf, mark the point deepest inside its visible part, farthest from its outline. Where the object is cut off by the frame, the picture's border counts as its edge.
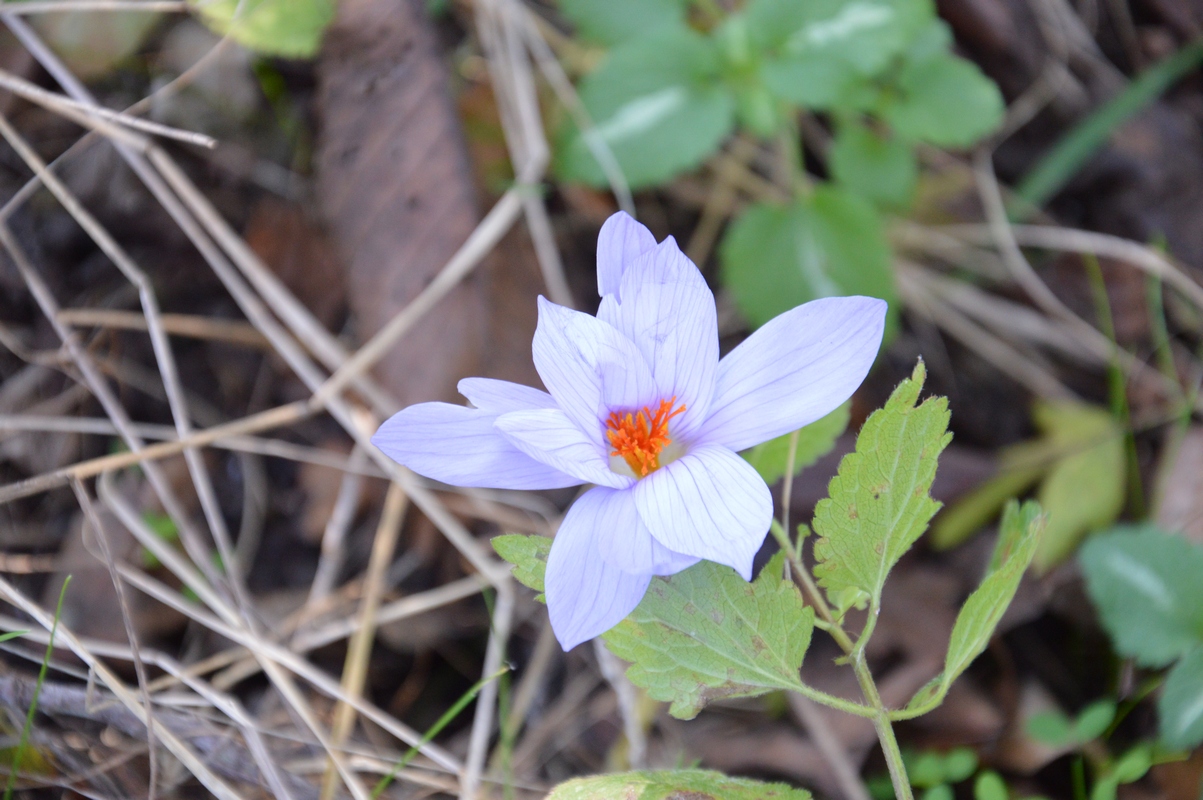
(879, 500)
(777, 257)
(814, 441)
(1146, 586)
(705, 633)
(881, 168)
(528, 554)
(659, 106)
(612, 22)
(945, 100)
(289, 28)
(1094, 720)
(1181, 705)
(1017, 541)
(677, 784)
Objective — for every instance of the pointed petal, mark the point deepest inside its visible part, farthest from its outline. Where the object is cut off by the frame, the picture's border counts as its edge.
(668, 312)
(586, 364)
(550, 437)
(625, 542)
(460, 446)
(619, 243)
(798, 367)
(586, 596)
(502, 396)
(709, 503)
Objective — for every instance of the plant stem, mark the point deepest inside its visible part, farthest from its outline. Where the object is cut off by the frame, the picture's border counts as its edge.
(838, 703)
(878, 712)
(885, 731)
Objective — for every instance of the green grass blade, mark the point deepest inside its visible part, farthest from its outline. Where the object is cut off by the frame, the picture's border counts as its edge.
(1061, 163)
(37, 691)
(442, 722)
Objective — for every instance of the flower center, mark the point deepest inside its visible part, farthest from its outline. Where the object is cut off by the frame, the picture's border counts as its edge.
(640, 437)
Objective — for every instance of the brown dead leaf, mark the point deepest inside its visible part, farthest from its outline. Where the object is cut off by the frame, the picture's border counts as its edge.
(301, 255)
(395, 186)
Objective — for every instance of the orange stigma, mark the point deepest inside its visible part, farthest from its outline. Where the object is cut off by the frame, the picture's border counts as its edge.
(640, 437)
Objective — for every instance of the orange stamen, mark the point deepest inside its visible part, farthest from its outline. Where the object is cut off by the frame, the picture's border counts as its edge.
(639, 438)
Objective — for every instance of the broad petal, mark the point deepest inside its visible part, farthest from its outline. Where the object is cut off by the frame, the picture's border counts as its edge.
(709, 503)
(624, 541)
(619, 243)
(798, 367)
(586, 364)
(459, 445)
(586, 596)
(502, 396)
(550, 437)
(668, 312)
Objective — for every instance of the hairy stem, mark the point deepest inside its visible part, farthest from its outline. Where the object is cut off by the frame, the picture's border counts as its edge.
(885, 731)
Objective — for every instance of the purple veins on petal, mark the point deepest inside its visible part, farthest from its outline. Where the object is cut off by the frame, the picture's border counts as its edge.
(585, 364)
(625, 542)
(549, 436)
(797, 368)
(586, 595)
(459, 446)
(499, 397)
(620, 242)
(710, 504)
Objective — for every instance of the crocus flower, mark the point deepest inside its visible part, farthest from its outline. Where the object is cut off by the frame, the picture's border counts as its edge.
(639, 405)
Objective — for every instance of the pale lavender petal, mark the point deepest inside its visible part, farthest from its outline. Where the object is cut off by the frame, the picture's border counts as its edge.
(668, 311)
(619, 243)
(797, 368)
(502, 396)
(589, 367)
(549, 436)
(460, 446)
(625, 542)
(586, 596)
(709, 503)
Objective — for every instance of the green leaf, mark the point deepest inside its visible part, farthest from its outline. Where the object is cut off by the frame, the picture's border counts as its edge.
(1084, 490)
(814, 441)
(946, 101)
(528, 554)
(959, 764)
(1094, 720)
(1051, 727)
(941, 791)
(1181, 705)
(879, 503)
(817, 82)
(925, 769)
(1017, 542)
(777, 257)
(977, 508)
(990, 786)
(880, 168)
(1018, 536)
(677, 784)
(705, 633)
(866, 34)
(612, 22)
(1133, 764)
(658, 105)
(289, 28)
(6, 636)
(1146, 586)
